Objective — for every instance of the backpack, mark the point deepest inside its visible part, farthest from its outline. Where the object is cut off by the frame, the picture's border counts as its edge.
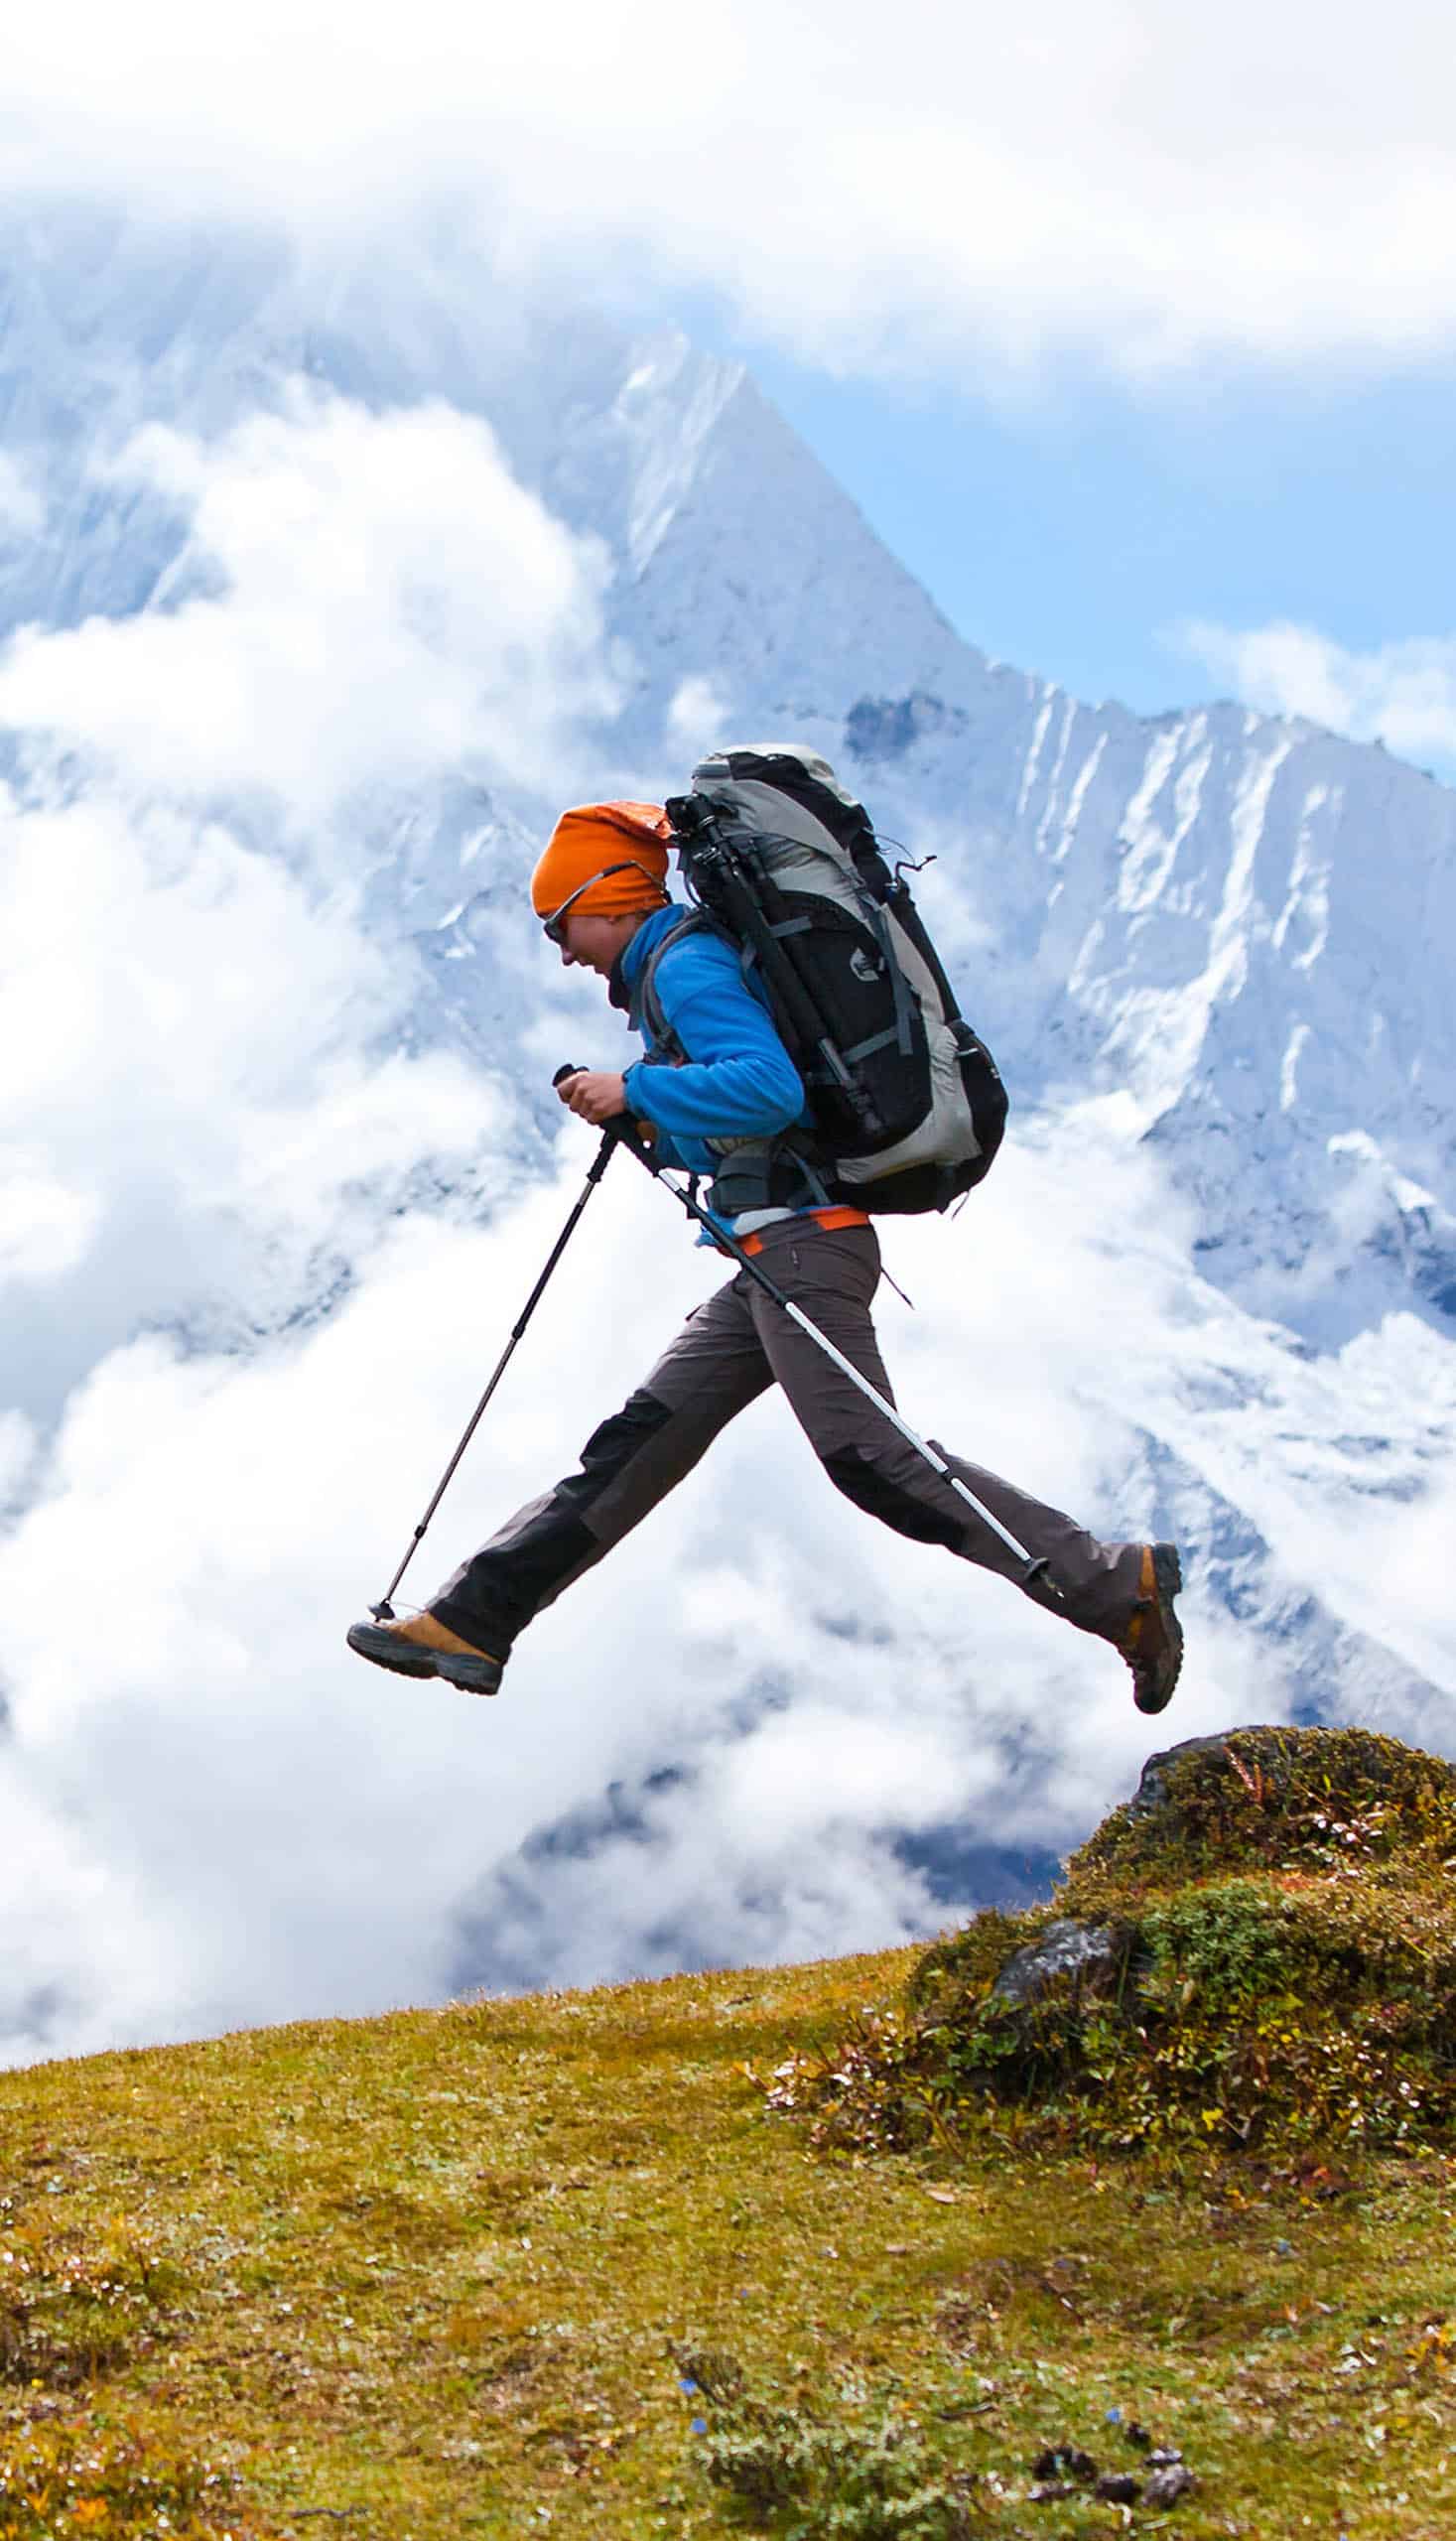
(907, 1103)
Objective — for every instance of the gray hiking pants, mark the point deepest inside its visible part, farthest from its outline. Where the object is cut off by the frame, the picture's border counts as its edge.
(729, 1351)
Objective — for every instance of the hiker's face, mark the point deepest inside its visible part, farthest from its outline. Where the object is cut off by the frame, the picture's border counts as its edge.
(592, 943)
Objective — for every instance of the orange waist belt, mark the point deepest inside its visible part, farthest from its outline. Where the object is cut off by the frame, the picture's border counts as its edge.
(828, 1219)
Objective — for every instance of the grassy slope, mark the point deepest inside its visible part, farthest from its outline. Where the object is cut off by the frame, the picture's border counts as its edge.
(426, 2273)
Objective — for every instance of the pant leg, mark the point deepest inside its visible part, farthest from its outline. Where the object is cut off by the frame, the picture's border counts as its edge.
(834, 1277)
(712, 1370)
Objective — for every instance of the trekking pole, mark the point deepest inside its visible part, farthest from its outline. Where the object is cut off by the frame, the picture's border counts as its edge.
(1032, 1568)
(384, 1612)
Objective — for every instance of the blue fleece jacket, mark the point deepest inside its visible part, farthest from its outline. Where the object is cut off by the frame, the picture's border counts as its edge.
(738, 1081)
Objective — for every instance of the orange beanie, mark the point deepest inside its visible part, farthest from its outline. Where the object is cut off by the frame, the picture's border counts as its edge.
(585, 840)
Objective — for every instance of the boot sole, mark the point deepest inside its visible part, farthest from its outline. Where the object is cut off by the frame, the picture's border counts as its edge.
(384, 1649)
(473, 1675)
(1167, 1575)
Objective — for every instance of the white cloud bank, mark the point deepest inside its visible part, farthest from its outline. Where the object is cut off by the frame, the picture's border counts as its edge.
(211, 1127)
(213, 1814)
(196, 1115)
(1402, 693)
(364, 599)
(1143, 184)
(202, 1104)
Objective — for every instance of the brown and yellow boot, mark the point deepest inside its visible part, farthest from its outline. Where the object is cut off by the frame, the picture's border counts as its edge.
(423, 1646)
(1153, 1643)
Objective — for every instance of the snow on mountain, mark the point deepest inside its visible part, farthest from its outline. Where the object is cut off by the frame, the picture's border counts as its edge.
(1231, 923)
(540, 557)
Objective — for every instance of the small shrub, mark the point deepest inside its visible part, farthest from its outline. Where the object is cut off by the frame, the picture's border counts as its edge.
(1278, 1968)
(856, 2473)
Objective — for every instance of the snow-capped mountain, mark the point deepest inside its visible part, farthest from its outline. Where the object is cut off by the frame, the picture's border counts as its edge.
(1231, 925)
(1209, 949)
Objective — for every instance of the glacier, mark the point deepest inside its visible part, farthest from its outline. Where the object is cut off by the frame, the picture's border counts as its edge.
(1209, 948)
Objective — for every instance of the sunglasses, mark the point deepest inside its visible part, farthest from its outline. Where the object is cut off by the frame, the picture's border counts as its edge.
(554, 927)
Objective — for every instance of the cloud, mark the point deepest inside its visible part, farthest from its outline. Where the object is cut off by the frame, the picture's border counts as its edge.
(364, 600)
(1142, 186)
(697, 707)
(1402, 693)
(22, 505)
(199, 1109)
(216, 1815)
(274, 1828)
(213, 1115)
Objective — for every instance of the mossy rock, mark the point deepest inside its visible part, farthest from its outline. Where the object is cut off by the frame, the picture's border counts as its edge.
(1258, 1949)
(1274, 1799)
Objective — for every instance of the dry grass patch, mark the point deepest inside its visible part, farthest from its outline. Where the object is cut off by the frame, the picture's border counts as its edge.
(436, 2275)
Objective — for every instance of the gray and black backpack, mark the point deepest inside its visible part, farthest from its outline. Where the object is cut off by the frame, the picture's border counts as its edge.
(908, 1106)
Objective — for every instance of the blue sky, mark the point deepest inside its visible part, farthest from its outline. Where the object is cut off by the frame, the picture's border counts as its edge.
(1075, 531)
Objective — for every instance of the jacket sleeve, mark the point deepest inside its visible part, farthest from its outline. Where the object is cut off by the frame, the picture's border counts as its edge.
(738, 1081)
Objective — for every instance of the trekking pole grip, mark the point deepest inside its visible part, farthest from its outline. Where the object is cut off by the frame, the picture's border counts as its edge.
(623, 1132)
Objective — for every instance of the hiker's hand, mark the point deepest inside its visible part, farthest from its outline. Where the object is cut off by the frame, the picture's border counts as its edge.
(595, 1095)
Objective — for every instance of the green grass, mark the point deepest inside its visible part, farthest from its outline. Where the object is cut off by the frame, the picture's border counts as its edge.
(444, 2274)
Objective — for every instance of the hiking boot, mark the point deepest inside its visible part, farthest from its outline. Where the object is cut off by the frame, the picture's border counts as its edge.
(1153, 1643)
(422, 1647)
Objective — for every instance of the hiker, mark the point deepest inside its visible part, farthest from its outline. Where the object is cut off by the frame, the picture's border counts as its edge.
(719, 1096)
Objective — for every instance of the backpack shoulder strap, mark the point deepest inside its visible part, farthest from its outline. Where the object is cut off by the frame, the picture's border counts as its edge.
(646, 1011)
